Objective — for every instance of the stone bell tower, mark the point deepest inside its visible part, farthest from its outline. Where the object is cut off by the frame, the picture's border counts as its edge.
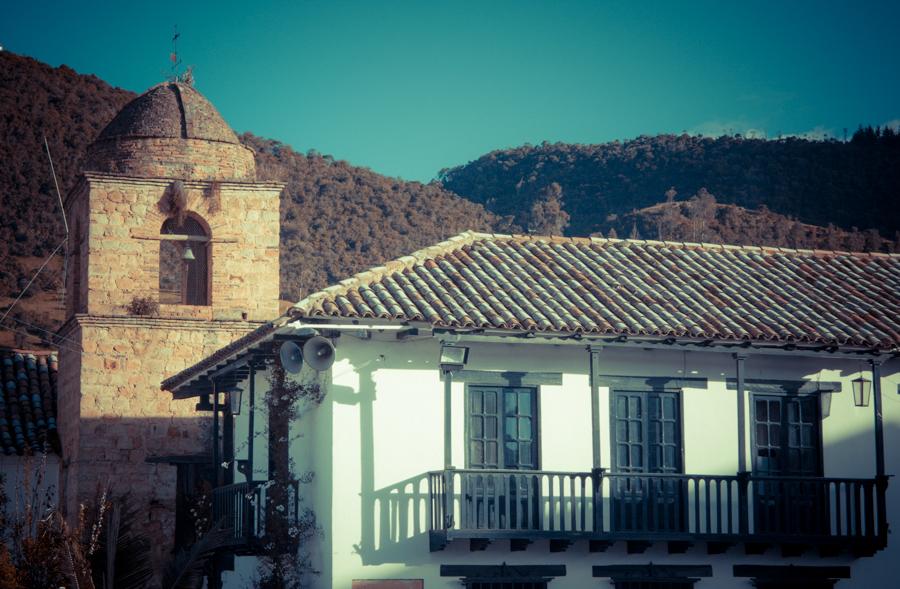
(173, 254)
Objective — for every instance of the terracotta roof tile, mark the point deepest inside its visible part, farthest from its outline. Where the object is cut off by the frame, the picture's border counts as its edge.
(631, 287)
(28, 402)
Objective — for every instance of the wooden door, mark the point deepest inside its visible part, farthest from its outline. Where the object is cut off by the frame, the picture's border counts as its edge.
(646, 441)
(787, 444)
(503, 435)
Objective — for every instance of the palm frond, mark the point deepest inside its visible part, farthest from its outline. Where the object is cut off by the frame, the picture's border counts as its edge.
(187, 569)
(123, 560)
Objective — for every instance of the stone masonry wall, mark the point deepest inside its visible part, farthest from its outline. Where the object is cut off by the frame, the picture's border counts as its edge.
(165, 157)
(122, 417)
(68, 411)
(76, 271)
(123, 240)
(112, 413)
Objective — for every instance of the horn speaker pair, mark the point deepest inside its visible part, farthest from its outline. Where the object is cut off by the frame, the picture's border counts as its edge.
(317, 352)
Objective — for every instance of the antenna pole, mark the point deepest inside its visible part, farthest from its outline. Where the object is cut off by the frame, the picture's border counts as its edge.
(62, 210)
(55, 183)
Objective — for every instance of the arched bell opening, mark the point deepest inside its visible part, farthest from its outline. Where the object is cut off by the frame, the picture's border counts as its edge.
(184, 262)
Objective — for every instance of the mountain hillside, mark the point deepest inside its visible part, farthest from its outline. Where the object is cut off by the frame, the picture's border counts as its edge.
(853, 184)
(337, 219)
(702, 219)
(67, 108)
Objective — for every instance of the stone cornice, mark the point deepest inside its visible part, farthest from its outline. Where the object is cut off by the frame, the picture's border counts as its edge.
(157, 323)
(101, 177)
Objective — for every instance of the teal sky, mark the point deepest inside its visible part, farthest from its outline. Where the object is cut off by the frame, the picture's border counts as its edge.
(408, 88)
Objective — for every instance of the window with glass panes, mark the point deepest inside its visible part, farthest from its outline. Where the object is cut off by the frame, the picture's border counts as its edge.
(786, 442)
(786, 435)
(502, 427)
(647, 440)
(647, 435)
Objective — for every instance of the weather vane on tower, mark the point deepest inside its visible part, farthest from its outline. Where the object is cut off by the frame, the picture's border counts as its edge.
(185, 77)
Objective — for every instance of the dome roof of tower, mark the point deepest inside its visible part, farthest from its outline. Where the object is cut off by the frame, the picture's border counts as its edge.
(171, 131)
(173, 110)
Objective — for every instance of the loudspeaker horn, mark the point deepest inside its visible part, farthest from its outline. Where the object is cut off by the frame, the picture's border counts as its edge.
(291, 357)
(318, 353)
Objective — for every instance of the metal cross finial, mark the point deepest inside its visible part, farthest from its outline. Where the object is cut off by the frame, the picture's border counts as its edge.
(187, 76)
(173, 56)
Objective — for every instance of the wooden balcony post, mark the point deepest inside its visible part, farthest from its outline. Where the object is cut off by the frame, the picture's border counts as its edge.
(251, 422)
(879, 417)
(743, 479)
(448, 419)
(597, 480)
(597, 468)
(448, 499)
(594, 352)
(741, 412)
(227, 444)
(881, 485)
(743, 474)
(217, 459)
(881, 479)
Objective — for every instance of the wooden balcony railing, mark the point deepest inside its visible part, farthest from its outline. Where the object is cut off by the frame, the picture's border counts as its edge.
(607, 507)
(253, 512)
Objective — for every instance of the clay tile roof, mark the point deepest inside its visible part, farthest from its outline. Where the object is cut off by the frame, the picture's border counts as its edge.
(632, 288)
(170, 110)
(28, 402)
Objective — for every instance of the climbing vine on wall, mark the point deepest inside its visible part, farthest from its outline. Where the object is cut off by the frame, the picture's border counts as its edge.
(285, 563)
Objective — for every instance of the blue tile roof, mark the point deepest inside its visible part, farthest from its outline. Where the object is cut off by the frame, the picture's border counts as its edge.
(28, 402)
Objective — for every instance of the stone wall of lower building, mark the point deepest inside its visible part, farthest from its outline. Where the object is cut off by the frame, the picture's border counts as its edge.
(68, 408)
(121, 417)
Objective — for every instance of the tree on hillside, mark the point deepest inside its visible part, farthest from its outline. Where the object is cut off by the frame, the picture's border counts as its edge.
(797, 236)
(832, 237)
(670, 195)
(668, 223)
(873, 240)
(702, 213)
(547, 214)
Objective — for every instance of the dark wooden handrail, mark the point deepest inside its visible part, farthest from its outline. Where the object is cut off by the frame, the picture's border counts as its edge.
(234, 506)
(666, 506)
(245, 508)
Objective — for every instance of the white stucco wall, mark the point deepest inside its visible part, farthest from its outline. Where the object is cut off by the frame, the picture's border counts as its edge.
(380, 429)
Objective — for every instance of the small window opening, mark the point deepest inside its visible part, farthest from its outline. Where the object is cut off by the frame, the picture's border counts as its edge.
(184, 263)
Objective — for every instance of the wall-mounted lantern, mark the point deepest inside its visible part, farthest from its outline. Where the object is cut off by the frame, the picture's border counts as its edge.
(825, 403)
(235, 394)
(453, 357)
(862, 389)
